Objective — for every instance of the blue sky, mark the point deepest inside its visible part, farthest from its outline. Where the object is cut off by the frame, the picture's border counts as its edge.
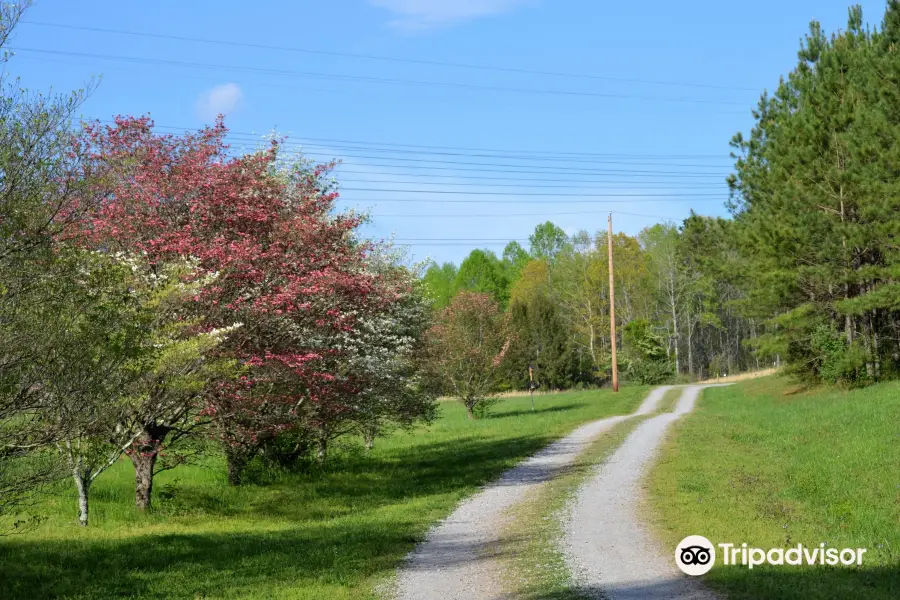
(662, 87)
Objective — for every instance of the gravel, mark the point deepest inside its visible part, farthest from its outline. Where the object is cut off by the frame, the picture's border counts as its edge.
(458, 559)
(609, 551)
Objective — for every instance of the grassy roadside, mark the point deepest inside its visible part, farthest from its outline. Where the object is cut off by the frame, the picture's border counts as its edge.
(669, 400)
(336, 534)
(763, 463)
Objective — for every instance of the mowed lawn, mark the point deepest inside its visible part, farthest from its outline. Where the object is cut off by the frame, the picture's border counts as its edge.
(335, 534)
(769, 464)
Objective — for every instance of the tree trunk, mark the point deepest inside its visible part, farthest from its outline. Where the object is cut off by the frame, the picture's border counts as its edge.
(876, 344)
(369, 438)
(143, 456)
(143, 477)
(675, 337)
(469, 411)
(82, 484)
(322, 449)
(690, 342)
(236, 461)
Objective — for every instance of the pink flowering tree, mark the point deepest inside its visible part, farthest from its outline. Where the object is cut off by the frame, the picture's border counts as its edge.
(466, 349)
(288, 267)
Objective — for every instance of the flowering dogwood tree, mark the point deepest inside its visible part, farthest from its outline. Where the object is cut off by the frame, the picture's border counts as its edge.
(289, 268)
(381, 355)
(136, 359)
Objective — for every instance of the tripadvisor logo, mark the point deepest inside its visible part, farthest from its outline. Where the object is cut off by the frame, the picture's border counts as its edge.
(696, 555)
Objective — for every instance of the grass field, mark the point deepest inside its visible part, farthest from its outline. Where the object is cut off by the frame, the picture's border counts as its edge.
(765, 463)
(331, 535)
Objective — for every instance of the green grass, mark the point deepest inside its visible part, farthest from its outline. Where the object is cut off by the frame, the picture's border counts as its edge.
(533, 565)
(336, 534)
(764, 463)
(669, 400)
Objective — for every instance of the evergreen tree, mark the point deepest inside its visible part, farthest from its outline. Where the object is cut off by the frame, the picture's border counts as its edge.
(815, 196)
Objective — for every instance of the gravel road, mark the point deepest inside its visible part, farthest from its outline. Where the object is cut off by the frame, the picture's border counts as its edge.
(609, 551)
(457, 560)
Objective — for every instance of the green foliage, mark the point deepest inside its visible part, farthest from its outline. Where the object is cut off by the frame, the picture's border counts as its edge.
(836, 361)
(39, 193)
(547, 241)
(484, 273)
(440, 283)
(815, 198)
(644, 355)
(515, 257)
(542, 340)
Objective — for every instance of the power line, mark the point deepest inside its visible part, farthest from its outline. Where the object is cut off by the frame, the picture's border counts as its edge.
(639, 172)
(505, 215)
(545, 194)
(506, 185)
(539, 152)
(495, 178)
(509, 168)
(514, 166)
(536, 171)
(299, 143)
(502, 156)
(514, 170)
(385, 58)
(481, 201)
(378, 80)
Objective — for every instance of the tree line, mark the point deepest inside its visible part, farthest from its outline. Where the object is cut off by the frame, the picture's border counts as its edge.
(678, 307)
(805, 271)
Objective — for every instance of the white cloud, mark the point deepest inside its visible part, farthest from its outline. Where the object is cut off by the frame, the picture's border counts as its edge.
(222, 99)
(419, 15)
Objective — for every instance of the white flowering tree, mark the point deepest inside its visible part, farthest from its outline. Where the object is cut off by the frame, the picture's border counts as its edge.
(139, 360)
(381, 356)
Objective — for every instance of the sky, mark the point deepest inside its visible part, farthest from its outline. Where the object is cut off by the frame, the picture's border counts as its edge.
(458, 123)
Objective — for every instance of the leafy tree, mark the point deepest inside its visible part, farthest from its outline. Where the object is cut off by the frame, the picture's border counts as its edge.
(581, 288)
(466, 348)
(645, 354)
(484, 273)
(133, 357)
(534, 279)
(543, 341)
(660, 243)
(381, 357)
(720, 323)
(39, 196)
(288, 268)
(515, 257)
(547, 241)
(439, 283)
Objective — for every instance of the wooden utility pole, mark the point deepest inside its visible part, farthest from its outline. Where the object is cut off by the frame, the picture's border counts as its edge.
(612, 310)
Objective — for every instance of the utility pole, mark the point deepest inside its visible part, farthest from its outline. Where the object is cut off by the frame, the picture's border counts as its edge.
(612, 310)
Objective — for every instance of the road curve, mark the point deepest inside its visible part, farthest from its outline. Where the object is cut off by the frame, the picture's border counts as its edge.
(609, 551)
(455, 561)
